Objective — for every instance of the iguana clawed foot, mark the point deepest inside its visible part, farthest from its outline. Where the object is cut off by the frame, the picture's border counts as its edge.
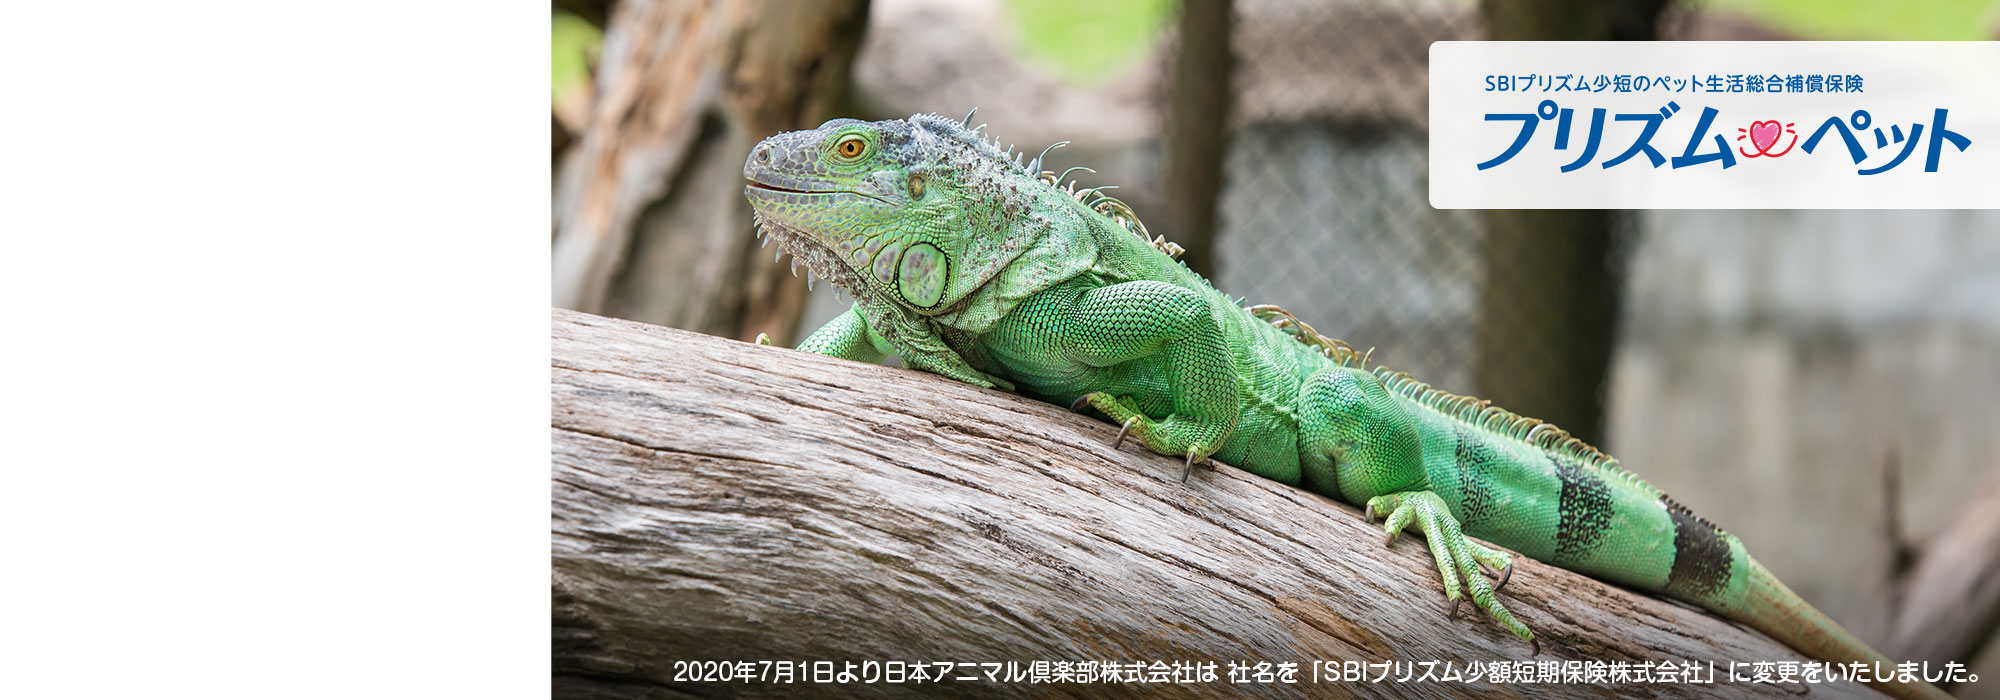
(1455, 554)
(1173, 435)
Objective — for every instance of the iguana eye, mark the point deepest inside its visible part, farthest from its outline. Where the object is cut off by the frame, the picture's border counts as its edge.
(916, 187)
(850, 147)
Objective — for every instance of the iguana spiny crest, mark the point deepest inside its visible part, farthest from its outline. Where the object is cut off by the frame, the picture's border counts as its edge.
(911, 211)
(912, 216)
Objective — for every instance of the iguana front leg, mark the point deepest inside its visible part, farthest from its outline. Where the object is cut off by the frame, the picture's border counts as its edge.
(847, 336)
(1123, 322)
(1356, 441)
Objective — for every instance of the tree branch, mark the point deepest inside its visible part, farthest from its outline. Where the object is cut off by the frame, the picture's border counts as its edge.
(1950, 599)
(724, 501)
(650, 218)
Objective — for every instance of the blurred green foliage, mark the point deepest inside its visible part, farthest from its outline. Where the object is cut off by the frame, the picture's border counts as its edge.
(576, 44)
(1869, 20)
(1086, 42)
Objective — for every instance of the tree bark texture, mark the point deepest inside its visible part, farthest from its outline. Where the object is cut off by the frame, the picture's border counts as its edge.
(1947, 605)
(717, 500)
(1198, 128)
(651, 223)
(1548, 314)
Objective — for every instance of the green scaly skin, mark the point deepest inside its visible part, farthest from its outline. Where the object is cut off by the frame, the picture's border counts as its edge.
(966, 261)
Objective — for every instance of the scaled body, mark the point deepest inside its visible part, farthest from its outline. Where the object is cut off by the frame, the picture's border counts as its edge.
(973, 263)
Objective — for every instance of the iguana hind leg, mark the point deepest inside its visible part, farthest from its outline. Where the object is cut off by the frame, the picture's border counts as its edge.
(1357, 442)
(1456, 555)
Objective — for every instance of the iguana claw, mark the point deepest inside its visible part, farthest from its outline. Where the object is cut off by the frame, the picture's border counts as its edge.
(1079, 403)
(1506, 574)
(1189, 469)
(1122, 431)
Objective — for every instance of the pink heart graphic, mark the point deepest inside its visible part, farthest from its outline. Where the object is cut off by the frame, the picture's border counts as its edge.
(1764, 135)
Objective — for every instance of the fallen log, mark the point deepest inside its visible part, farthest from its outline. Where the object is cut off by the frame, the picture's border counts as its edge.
(721, 501)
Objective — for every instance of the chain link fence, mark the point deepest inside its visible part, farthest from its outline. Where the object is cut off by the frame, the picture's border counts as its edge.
(1325, 210)
(1728, 355)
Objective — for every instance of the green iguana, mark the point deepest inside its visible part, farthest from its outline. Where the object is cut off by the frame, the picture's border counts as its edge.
(975, 263)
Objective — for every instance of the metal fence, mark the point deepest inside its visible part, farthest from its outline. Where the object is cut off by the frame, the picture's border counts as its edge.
(1325, 210)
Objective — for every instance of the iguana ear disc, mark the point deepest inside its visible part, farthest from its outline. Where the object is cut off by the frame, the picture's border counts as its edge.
(921, 276)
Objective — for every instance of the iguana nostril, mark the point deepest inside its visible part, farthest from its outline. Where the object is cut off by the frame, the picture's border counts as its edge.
(763, 154)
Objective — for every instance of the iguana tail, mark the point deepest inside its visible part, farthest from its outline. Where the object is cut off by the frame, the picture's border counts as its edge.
(1774, 609)
(1528, 486)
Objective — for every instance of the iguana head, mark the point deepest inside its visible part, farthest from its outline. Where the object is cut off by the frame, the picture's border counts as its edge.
(915, 213)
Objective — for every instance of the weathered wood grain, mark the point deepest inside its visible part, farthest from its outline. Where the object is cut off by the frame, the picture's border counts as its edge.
(719, 500)
(650, 219)
(1948, 604)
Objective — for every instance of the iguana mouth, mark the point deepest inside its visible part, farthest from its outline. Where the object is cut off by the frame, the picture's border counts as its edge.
(784, 189)
(787, 195)
(755, 185)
